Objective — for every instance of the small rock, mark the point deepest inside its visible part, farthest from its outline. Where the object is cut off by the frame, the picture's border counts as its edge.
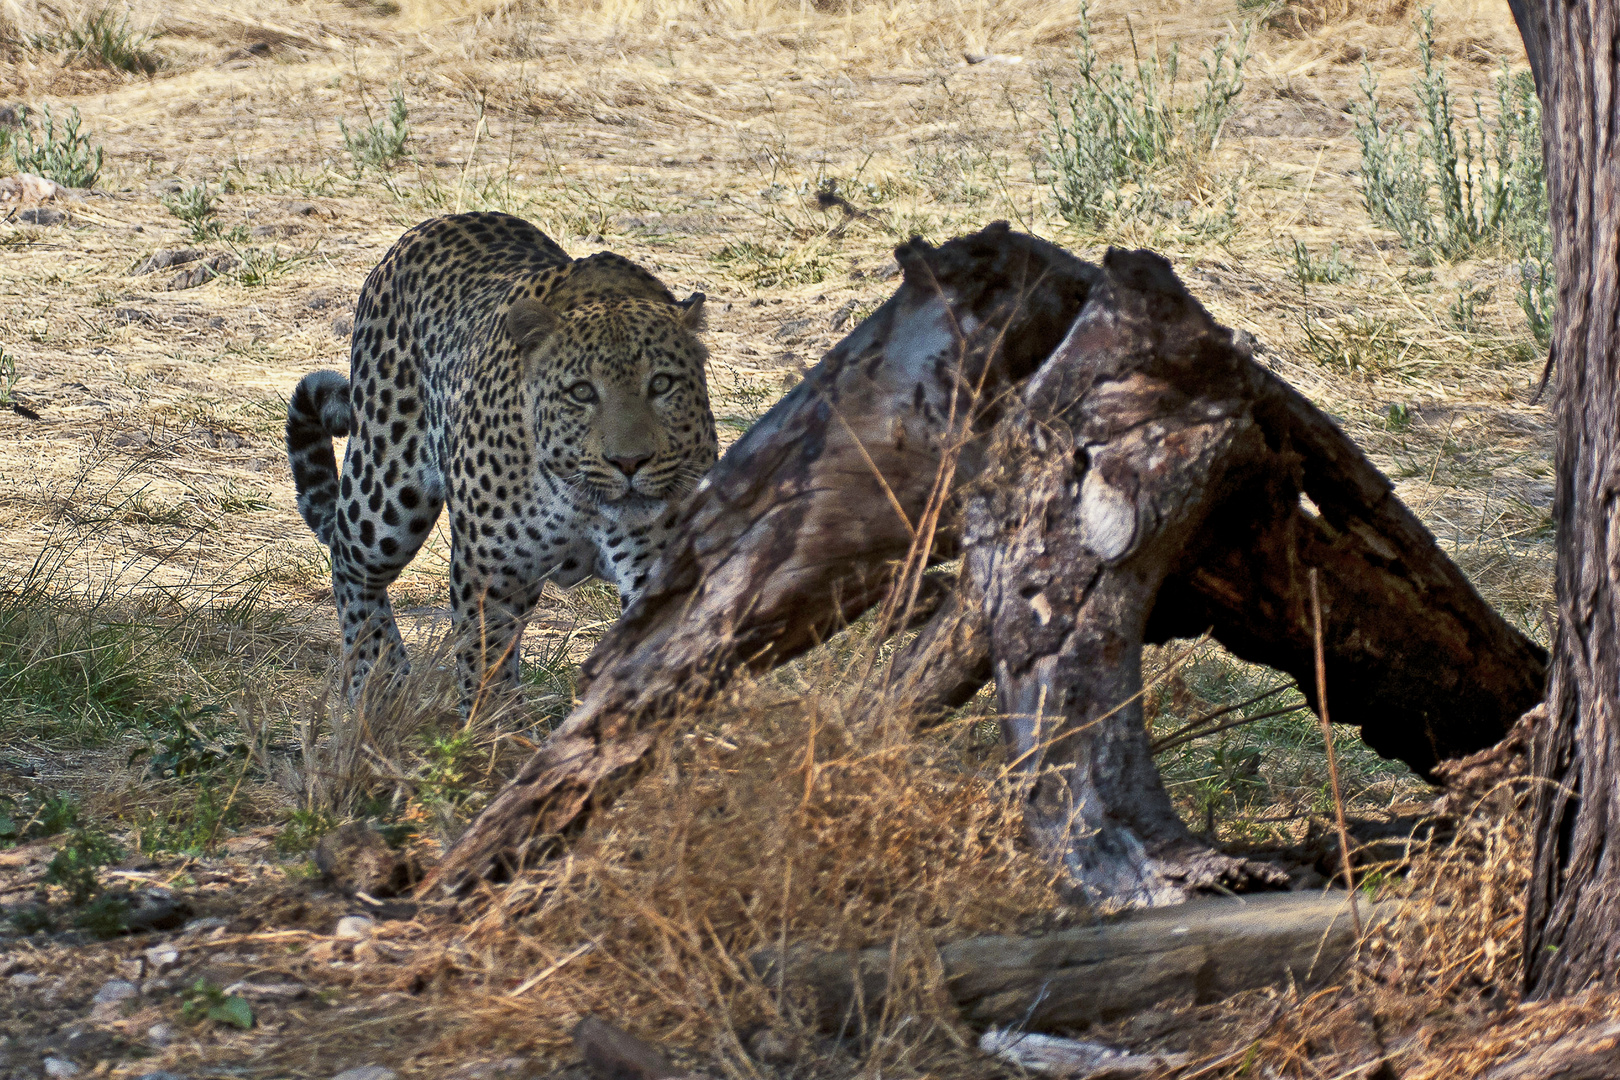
(354, 928)
(126, 439)
(164, 258)
(305, 209)
(24, 979)
(129, 315)
(41, 215)
(60, 1068)
(841, 316)
(772, 1047)
(343, 326)
(791, 329)
(319, 300)
(204, 272)
(161, 959)
(160, 1035)
(367, 1072)
(356, 858)
(891, 270)
(160, 1076)
(113, 993)
(210, 922)
(156, 909)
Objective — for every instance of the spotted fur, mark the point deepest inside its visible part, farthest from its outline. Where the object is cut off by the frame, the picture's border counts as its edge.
(557, 406)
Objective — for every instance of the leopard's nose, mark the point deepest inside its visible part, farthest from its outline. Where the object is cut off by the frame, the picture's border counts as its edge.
(629, 465)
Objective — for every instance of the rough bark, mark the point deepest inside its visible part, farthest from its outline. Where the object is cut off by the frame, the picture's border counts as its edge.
(798, 527)
(1572, 923)
(1415, 657)
(1206, 949)
(1136, 430)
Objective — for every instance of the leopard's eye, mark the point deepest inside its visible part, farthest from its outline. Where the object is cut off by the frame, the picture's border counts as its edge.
(582, 392)
(660, 385)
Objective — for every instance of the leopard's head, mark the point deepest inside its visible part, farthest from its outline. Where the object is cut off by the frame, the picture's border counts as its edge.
(616, 378)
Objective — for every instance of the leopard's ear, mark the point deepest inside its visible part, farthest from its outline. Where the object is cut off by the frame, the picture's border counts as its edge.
(528, 320)
(690, 311)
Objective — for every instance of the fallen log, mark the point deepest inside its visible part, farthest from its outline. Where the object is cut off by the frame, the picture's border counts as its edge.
(1204, 950)
(1003, 357)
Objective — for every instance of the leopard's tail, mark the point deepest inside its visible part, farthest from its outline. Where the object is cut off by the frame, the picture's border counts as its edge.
(318, 413)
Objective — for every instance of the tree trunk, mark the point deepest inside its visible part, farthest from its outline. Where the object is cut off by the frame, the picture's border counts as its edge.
(1572, 924)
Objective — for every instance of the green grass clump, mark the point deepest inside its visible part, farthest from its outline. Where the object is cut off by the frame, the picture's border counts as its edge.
(1117, 130)
(1461, 184)
(103, 39)
(64, 154)
(197, 207)
(381, 144)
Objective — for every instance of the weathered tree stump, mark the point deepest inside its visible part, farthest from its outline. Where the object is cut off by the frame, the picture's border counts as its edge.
(1415, 657)
(1128, 473)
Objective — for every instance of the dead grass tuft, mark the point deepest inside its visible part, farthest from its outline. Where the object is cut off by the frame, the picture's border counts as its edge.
(769, 832)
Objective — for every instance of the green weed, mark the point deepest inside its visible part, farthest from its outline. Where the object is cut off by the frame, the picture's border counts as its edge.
(261, 266)
(77, 863)
(8, 381)
(381, 144)
(197, 208)
(102, 38)
(202, 1000)
(106, 916)
(64, 155)
(1460, 185)
(190, 826)
(1116, 130)
(1307, 269)
(33, 816)
(302, 830)
(1357, 345)
(187, 739)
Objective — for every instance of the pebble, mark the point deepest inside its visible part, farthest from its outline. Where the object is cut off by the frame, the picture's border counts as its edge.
(60, 1068)
(210, 922)
(164, 258)
(24, 979)
(113, 991)
(367, 1072)
(160, 1035)
(161, 958)
(204, 272)
(353, 928)
(160, 1076)
(41, 215)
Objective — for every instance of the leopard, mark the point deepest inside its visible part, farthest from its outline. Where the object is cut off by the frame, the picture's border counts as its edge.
(558, 406)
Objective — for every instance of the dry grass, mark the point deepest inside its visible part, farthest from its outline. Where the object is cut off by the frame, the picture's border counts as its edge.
(692, 135)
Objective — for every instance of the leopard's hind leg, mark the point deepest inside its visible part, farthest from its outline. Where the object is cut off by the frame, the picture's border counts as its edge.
(390, 495)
